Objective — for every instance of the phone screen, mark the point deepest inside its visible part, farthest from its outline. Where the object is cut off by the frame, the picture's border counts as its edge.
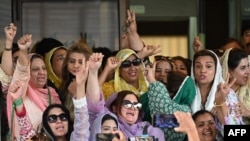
(165, 121)
(141, 138)
(106, 136)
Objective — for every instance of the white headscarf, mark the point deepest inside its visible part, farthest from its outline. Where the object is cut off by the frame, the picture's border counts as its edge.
(196, 104)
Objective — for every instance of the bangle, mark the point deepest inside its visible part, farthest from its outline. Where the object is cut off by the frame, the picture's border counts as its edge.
(7, 49)
(21, 114)
(18, 102)
(219, 105)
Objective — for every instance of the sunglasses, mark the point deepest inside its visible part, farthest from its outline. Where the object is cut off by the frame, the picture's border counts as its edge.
(53, 118)
(127, 63)
(162, 58)
(129, 105)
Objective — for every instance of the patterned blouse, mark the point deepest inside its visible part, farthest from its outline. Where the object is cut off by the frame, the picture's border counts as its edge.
(160, 102)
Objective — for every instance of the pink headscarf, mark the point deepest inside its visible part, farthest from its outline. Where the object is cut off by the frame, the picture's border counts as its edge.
(40, 96)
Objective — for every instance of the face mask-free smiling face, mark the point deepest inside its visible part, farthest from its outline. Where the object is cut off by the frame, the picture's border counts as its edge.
(130, 109)
(161, 71)
(241, 72)
(206, 127)
(180, 66)
(129, 69)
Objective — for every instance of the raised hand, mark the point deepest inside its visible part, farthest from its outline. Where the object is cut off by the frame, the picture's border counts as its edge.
(197, 44)
(223, 90)
(150, 73)
(220, 105)
(15, 90)
(241, 110)
(93, 90)
(10, 33)
(113, 62)
(149, 50)
(95, 61)
(81, 78)
(82, 75)
(131, 38)
(72, 87)
(24, 42)
(131, 22)
(121, 136)
(186, 125)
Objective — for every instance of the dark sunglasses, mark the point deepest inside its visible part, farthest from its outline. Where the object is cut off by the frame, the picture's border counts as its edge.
(53, 118)
(129, 105)
(163, 58)
(127, 63)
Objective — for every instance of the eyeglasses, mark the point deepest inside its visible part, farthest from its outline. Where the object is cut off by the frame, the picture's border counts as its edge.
(127, 63)
(128, 105)
(53, 118)
(163, 58)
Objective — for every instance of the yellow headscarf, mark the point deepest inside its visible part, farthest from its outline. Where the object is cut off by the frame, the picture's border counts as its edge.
(120, 84)
(244, 91)
(224, 63)
(51, 75)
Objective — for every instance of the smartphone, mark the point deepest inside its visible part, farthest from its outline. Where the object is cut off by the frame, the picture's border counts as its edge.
(165, 121)
(141, 138)
(105, 136)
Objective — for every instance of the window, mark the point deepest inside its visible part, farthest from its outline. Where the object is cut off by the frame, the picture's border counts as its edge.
(70, 21)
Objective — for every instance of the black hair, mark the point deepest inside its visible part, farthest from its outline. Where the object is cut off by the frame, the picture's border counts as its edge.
(15, 48)
(106, 52)
(245, 27)
(109, 117)
(45, 123)
(187, 62)
(4, 121)
(45, 45)
(119, 100)
(175, 80)
(202, 112)
(205, 53)
(235, 56)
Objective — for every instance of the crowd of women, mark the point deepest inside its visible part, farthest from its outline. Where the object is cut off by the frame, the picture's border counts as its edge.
(58, 93)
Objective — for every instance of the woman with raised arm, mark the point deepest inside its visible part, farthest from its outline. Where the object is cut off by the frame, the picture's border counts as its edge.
(71, 65)
(128, 75)
(235, 62)
(30, 76)
(213, 92)
(6, 72)
(81, 123)
(125, 105)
